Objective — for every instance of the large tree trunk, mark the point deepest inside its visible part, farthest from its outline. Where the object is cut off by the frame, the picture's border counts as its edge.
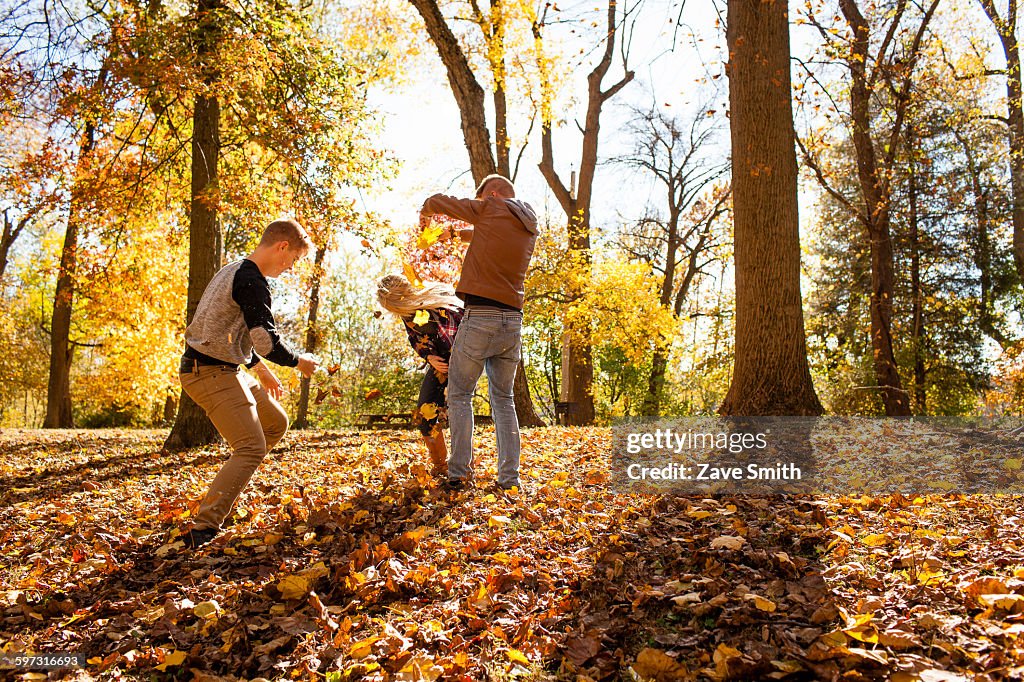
(771, 374)
(875, 190)
(193, 427)
(469, 97)
(302, 416)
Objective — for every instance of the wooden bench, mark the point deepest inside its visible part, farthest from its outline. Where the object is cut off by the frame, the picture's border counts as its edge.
(393, 420)
(403, 420)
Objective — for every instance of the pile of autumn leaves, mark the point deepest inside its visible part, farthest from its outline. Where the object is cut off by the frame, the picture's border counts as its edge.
(344, 561)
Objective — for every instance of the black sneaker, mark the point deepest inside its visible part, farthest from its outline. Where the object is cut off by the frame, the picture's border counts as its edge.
(518, 487)
(197, 537)
(453, 485)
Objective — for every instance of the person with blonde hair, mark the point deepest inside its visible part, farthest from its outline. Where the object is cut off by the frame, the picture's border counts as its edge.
(431, 315)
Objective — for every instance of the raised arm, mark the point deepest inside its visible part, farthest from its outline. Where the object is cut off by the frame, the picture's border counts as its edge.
(466, 210)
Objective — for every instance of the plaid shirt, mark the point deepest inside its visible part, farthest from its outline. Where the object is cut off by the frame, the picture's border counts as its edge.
(436, 336)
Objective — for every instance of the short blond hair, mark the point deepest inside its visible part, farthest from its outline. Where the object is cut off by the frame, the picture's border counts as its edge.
(287, 230)
(508, 190)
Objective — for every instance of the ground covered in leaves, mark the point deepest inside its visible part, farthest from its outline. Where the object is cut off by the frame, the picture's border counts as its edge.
(344, 561)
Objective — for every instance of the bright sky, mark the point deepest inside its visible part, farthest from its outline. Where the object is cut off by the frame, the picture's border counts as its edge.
(423, 125)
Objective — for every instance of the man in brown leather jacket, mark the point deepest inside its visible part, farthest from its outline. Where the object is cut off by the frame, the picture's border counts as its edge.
(501, 244)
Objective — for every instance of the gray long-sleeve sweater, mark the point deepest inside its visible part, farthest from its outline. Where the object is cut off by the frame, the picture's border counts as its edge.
(234, 319)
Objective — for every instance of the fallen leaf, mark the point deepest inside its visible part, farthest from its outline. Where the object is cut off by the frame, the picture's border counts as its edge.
(410, 274)
(362, 648)
(727, 542)
(762, 604)
(429, 235)
(173, 658)
(652, 664)
(579, 650)
(875, 540)
(1011, 603)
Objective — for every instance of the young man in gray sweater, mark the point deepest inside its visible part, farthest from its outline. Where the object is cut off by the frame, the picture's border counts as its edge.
(233, 326)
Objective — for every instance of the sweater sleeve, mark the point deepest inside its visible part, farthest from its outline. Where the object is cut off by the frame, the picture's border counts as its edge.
(466, 210)
(252, 294)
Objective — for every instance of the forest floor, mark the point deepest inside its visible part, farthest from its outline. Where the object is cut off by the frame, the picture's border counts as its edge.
(345, 561)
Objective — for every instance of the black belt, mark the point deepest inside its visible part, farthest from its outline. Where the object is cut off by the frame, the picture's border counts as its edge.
(493, 312)
(189, 364)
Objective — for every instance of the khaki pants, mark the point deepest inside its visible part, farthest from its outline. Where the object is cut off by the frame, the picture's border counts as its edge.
(249, 420)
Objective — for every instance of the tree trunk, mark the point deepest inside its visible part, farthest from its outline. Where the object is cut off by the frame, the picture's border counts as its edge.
(170, 407)
(651, 406)
(525, 410)
(1007, 30)
(12, 230)
(193, 427)
(659, 367)
(983, 251)
(577, 355)
(916, 294)
(1016, 116)
(875, 190)
(771, 374)
(58, 389)
(302, 416)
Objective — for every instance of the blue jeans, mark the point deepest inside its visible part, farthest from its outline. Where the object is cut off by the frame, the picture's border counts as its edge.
(488, 339)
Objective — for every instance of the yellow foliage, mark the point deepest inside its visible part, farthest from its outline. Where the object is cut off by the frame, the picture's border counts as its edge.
(609, 302)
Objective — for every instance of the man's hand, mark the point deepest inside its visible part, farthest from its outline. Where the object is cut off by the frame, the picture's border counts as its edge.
(307, 364)
(270, 382)
(438, 363)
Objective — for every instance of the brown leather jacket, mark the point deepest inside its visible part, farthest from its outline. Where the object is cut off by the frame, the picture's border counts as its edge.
(504, 233)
